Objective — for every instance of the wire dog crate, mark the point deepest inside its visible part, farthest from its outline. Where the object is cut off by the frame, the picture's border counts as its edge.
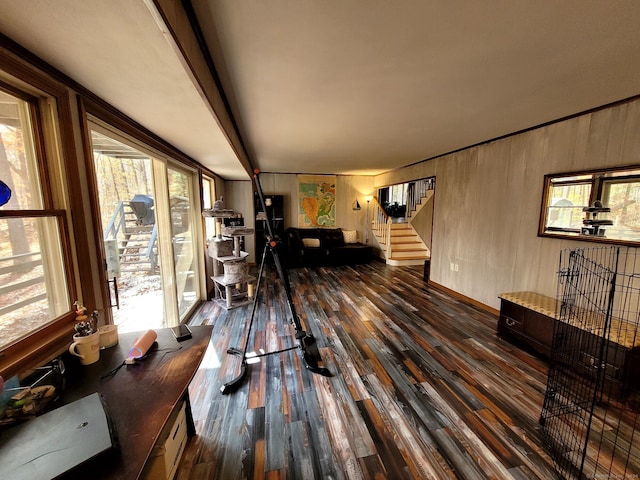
(590, 411)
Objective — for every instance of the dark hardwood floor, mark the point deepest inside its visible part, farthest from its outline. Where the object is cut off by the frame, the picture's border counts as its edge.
(421, 388)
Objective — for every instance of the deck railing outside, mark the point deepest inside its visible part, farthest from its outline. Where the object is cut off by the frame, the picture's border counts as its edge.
(24, 266)
(117, 222)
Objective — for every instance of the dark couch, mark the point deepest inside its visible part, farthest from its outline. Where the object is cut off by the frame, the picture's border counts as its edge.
(331, 248)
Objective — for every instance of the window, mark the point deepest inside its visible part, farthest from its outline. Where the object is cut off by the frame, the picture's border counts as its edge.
(33, 280)
(622, 196)
(599, 206)
(208, 199)
(398, 194)
(568, 196)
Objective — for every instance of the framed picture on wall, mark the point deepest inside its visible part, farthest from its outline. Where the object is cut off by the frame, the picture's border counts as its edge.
(316, 201)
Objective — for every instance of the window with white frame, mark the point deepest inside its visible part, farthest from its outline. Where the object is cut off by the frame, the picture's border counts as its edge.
(33, 281)
(208, 199)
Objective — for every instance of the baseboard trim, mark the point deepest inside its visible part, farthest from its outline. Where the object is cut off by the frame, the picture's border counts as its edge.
(464, 298)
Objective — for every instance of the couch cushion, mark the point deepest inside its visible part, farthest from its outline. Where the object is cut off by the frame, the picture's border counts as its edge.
(331, 237)
(350, 254)
(350, 236)
(311, 242)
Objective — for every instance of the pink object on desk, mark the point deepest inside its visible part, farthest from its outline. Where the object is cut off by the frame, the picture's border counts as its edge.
(142, 344)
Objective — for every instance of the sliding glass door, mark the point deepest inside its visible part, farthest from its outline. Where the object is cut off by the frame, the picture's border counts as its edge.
(181, 199)
(148, 218)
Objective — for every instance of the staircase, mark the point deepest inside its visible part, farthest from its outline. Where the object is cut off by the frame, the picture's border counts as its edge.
(406, 247)
(136, 248)
(399, 242)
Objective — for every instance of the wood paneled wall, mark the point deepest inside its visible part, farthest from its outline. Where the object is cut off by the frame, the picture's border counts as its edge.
(488, 198)
(348, 188)
(239, 197)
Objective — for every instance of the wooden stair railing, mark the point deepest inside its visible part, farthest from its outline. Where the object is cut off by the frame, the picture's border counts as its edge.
(416, 192)
(381, 227)
(393, 238)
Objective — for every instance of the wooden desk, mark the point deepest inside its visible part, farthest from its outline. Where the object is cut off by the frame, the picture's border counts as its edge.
(139, 398)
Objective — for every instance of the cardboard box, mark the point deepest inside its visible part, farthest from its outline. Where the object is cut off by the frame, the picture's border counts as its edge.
(165, 457)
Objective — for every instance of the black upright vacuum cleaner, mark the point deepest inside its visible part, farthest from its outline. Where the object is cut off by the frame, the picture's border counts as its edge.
(306, 342)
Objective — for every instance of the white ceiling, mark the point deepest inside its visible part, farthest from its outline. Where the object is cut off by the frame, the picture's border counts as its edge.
(363, 86)
(359, 86)
(116, 49)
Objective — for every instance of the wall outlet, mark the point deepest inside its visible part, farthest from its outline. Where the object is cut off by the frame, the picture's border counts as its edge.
(453, 266)
(456, 267)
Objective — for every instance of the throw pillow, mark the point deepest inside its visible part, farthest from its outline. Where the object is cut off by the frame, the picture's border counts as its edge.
(311, 242)
(350, 236)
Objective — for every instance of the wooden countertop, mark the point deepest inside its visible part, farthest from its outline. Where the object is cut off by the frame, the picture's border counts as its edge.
(139, 398)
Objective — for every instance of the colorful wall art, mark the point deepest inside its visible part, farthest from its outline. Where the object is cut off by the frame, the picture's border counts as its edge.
(316, 201)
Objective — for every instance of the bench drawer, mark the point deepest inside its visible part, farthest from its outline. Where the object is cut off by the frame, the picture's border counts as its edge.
(511, 318)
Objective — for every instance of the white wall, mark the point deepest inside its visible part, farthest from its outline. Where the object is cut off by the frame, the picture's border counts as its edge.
(488, 199)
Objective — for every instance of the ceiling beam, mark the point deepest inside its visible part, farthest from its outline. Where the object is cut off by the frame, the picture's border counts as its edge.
(174, 22)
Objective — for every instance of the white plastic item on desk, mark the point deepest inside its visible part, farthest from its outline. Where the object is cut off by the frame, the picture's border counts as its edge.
(108, 336)
(142, 345)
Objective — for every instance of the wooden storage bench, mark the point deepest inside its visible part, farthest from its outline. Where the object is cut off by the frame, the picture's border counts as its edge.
(530, 318)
